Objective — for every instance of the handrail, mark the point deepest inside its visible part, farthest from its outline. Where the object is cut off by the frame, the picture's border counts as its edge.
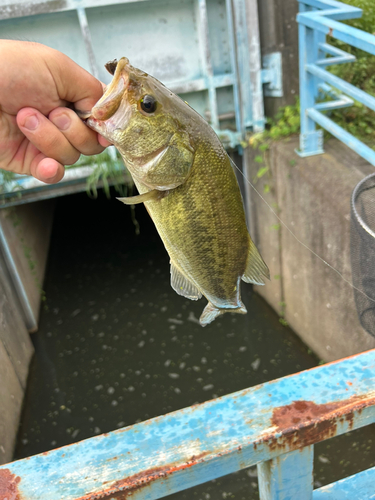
(318, 18)
(274, 425)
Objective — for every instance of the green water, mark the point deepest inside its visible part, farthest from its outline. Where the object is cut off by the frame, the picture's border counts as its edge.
(116, 345)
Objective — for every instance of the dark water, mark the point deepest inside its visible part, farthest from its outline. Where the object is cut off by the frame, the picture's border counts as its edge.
(117, 345)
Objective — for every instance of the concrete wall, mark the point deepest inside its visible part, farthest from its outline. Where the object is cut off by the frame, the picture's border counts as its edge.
(27, 231)
(312, 196)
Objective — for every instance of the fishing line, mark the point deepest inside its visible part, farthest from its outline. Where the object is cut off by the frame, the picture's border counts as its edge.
(296, 237)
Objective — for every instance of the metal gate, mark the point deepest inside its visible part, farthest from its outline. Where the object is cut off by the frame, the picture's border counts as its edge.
(207, 51)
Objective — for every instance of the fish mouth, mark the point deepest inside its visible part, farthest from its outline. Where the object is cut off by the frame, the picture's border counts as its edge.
(111, 100)
(97, 125)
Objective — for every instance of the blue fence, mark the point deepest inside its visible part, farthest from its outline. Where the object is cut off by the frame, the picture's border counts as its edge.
(318, 18)
(274, 425)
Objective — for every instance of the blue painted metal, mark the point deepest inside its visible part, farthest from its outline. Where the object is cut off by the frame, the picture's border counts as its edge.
(188, 447)
(232, 48)
(82, 18)
(311, 140)
(338, 100)
(272, 74)
(361, 486)
(340, 55)
(365, 151)
(201, 49)
(318, 18)
(287, 477)
(349, 89)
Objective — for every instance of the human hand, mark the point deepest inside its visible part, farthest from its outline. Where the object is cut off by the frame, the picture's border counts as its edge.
(39, 134)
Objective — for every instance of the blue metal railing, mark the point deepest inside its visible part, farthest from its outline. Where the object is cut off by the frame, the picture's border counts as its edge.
(274, 425)
(318, 18)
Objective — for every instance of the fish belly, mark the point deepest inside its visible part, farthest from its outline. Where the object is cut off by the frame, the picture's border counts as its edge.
(203, 227)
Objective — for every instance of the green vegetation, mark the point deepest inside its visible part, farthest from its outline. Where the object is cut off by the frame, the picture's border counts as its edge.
(108, 170)
(285, 124)
(6, 181)
(282, 319)
(358, 120)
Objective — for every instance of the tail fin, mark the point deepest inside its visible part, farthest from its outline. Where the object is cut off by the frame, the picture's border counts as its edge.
(211, 312)
(256, 269)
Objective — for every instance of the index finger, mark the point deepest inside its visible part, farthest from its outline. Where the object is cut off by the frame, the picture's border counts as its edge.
(74, 84)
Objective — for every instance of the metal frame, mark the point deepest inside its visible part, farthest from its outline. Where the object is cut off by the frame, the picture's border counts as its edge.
(247, 83)
(318, 18)
(274, 425)
(246, 76)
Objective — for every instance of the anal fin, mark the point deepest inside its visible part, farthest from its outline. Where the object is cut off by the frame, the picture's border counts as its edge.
(153, 195)
(182, 285)
(256, 269)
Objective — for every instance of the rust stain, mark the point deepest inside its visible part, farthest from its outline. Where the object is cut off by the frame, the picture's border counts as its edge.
(303, 423)
(120, 490)
(9, 485)
(330, 32)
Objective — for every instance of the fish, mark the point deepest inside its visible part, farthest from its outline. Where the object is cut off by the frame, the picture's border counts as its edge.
(187, 183)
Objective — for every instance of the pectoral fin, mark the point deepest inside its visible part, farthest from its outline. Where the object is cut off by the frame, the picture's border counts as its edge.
(182, 285)
(256, 269)
(153, 195)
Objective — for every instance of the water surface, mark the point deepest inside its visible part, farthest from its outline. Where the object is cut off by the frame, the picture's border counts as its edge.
(116, 345)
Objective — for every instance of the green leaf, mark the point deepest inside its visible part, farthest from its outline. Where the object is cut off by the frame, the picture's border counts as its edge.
(259, 159)
(261, 172)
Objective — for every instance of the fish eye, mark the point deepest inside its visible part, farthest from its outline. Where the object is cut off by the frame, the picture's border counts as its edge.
(148, 103)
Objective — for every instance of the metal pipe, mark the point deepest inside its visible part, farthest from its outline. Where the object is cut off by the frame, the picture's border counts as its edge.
(344, 136)
(88, 41)
(29, 317)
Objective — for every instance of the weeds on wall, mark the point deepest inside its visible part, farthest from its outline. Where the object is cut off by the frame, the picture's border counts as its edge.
(285, 124)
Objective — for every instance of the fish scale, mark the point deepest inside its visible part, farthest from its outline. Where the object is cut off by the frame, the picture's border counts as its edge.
(186, 180)
(209, 240)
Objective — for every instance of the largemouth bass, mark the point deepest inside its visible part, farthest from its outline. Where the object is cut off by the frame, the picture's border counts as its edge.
(187, 183)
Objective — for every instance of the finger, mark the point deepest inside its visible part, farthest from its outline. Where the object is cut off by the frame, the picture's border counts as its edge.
(74, 83)
(79, 135)
(103, 141)
(46, 137)
(46, 170)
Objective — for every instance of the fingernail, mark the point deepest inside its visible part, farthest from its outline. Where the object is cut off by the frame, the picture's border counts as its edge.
(62, 122)
(31, 122)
